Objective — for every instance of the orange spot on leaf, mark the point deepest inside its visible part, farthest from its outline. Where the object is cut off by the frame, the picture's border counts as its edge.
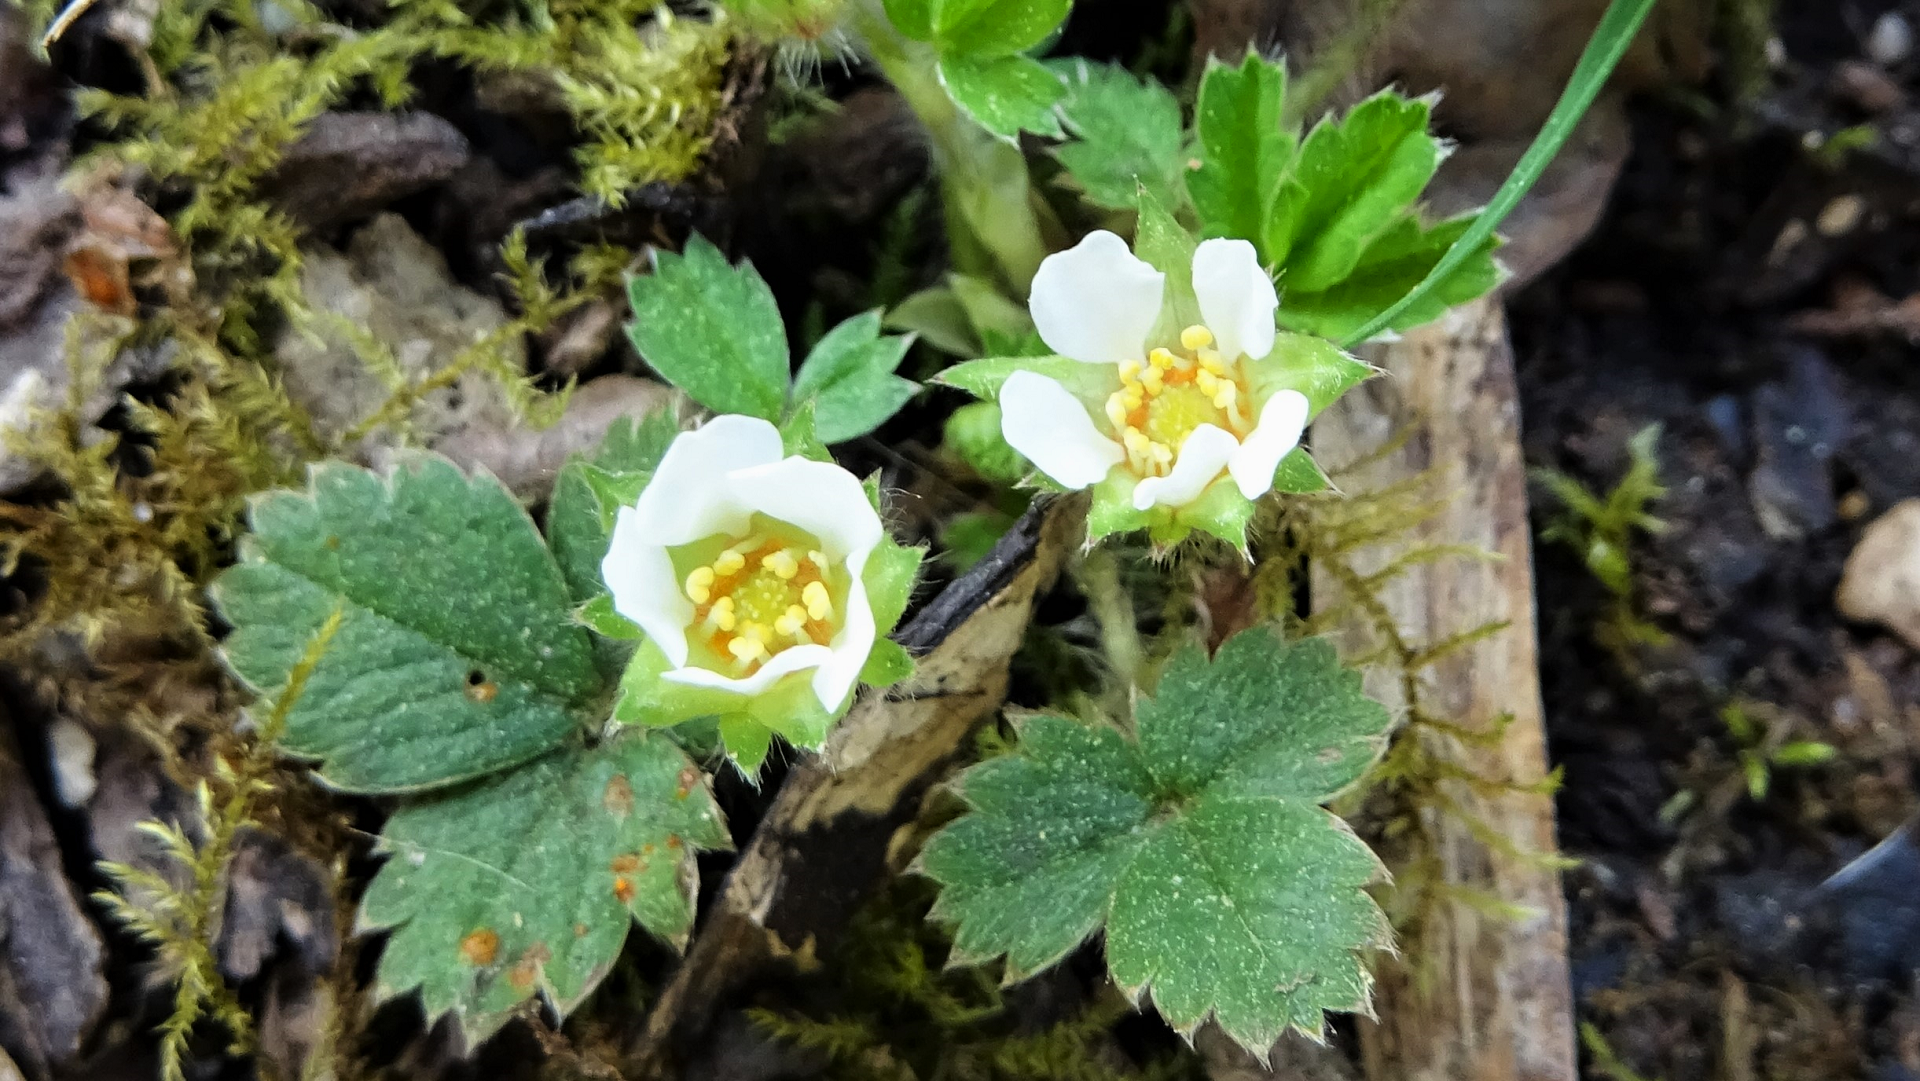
(480, 947)
(689, 777)
(626, 864)
(526, 971)
(623, 889)
(618, 798)
(482, 692)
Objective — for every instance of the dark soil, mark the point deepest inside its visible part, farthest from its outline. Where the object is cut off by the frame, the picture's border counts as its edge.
(1700, 945)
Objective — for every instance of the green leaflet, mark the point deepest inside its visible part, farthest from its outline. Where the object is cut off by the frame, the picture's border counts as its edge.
(1224, 888)
(1127, 136)
(456, 654)
(978, 27)
(849, 377)
(713, 330)
(1004, 94)
(527, 881)
(1243, 149)
(1391, 267)
(1354, 178)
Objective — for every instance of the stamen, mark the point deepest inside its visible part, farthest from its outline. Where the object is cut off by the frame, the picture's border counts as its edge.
(1207, 382)
(782, 564)
(1210, 360)
(746, 650)
(819, 604)
(1161, 359)
(1223, 397)
(793, 623)
(1117, 410)
(1153, 379)
(731, 561)
(1196, 337)
(1130, 370)
(818, 559)
(700, 585)
(721, 615)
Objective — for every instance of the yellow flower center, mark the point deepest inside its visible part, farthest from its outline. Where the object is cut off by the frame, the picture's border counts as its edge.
(1163, 399)
(758, 597)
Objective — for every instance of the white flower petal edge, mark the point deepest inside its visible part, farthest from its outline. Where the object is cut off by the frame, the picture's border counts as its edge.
(1236, 297)
(1044, 421)
(712, 481)
(1096, 301)
(1282, 421)
(1201, 458)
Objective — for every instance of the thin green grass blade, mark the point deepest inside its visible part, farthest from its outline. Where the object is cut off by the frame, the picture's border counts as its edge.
(1604, 50)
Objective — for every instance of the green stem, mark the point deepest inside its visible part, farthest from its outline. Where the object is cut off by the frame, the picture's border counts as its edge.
(983, 179)
(1112, 608)
(1604, 50)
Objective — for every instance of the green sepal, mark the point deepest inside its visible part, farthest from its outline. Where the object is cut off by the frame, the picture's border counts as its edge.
(747, 742)
(1311, 365)
(712, 329)
(1112, 509)
(1300, 474)
(982, 378)
(598, 616)
(1005, 94)
(888, 664)
(1166, 245)
(889, 577)
(1221, 511)
(788, 708)
(800, 435)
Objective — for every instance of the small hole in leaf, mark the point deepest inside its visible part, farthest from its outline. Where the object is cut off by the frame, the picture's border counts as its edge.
(476, 678)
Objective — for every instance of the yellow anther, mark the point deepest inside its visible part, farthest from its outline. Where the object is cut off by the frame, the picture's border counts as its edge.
(782, 564)
(1133, 398)
(793, 623)
(1196, 337)
(721, 615)
(1130, 370)
(1135, 441)
(1161, 359)
(1224, 396)
(1211, 361)
(819, 604)
(1207, 382)
(700, 585)
(1161, 453)
(1116, 410)
(756, 631)
(819, 560)
(730, 562)
(747, 650)
(1153, 379)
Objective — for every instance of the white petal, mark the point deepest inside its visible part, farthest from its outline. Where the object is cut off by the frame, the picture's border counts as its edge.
(1236, 297)
(640, 576)
(1044, 421)
(1282, 420)
(819, 497)
(1200, 459)
(837, 674)
(687, 498)
(782, 663)
(1096, 301)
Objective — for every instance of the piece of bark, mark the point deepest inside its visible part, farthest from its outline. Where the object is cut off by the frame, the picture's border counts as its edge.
(1498, 1005)
(52, 983)
(827, 839)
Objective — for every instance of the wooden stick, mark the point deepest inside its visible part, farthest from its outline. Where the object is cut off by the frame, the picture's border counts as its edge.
(1496, 1004)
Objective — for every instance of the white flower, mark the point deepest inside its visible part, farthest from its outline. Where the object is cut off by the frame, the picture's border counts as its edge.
(1182, 411)
(745, 566)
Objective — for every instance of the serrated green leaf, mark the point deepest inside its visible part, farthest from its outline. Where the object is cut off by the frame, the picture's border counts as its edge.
(713, 330)
(1004, 94)
(939, 318)
(849, 378)
(1127, 136)
(1243, 148)
(994, 27)
(1393, 264)
(1224, 888)
(528, 881)
(1353, 179)
(457, 654)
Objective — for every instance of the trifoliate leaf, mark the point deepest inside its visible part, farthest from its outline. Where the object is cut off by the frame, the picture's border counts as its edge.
(1004, 94)
(1392, 265)
(713, 330)
(457, 654)
(1244, 151)
(1126, 136)
(849, 378)
(1224, 888)
(527, 881)
(1354, 178)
